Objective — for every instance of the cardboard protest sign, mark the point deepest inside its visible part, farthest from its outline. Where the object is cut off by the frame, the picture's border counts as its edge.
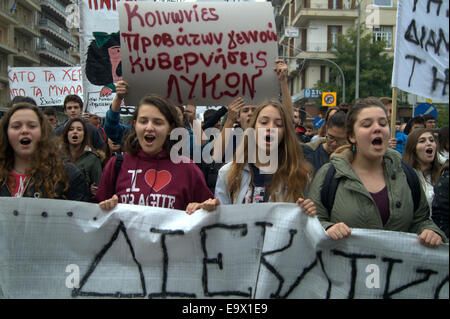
(99, 42)
(66, 249)
(421, 49)
(48, 86)
(200, 53)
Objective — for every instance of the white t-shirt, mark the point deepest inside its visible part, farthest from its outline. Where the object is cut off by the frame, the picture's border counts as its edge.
(425, 182)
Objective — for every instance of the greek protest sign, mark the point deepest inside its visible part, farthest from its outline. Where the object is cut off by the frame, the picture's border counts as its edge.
(421, 49)
(99, 40)
(48, 86)
(66, 249)
(200, 53)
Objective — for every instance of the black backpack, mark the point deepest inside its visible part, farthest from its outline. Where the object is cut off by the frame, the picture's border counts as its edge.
(330, 185)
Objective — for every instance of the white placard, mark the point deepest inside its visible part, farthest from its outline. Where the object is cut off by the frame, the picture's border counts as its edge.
(421, 49)
(202, 53)
(48, 86)
(67, 249)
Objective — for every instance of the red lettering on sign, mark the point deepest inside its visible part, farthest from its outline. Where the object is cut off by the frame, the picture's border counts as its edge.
(207, 86)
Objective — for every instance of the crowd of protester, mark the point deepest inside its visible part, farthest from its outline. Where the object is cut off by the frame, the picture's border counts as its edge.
(397, 183)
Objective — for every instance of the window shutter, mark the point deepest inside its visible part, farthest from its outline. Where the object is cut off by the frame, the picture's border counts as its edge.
(340, 33)
(304, 40)
(329, 39)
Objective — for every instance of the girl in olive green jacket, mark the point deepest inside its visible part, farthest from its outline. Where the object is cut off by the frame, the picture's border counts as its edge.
(373, 191)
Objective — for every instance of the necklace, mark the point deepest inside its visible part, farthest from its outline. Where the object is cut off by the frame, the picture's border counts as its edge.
(19, 172)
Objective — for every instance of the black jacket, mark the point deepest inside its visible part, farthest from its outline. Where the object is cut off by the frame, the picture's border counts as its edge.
(440, 203)
(95, 134)
(78, 188)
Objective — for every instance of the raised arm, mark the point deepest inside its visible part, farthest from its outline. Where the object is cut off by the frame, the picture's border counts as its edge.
(282, 69)
(219, 142)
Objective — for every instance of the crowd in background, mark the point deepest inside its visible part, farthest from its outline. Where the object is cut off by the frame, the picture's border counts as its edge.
(377, 181)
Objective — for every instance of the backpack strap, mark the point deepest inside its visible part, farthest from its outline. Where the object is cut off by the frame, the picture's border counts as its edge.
(330, 184)
(329, 188)
(413, 183)
(117, 166)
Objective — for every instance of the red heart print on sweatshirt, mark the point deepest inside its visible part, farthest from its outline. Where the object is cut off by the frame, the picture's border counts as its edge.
(157, 180)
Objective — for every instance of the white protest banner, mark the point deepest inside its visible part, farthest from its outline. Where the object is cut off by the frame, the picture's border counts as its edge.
(200, 53)
(421, 49)
(48, 86)
(66, 249)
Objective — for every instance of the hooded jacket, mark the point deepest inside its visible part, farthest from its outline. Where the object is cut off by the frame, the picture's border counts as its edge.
(354, 206)
(154, 181)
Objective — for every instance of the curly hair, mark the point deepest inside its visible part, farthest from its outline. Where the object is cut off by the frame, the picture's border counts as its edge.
(293, 172)
(47, 169)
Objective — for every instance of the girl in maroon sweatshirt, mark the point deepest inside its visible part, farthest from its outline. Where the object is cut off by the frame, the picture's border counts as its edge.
(148, 175)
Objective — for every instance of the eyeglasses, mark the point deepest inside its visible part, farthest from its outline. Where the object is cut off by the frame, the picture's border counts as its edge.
(339, 141)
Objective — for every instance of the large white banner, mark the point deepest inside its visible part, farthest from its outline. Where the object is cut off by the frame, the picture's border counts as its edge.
(48, 86)
(421, 49)
(66, 249)
(200, 53)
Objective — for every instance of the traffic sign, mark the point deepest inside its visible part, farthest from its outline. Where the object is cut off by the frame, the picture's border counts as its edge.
(425, 108)
(318, 122)
(329, 99)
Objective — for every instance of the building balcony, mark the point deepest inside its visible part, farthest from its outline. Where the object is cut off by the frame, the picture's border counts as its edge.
(51, 28)
(4, 78)
(51, 52)
(75, 52)
(26, 55)
(304, 15)
(314, 50)
(5, 16)
(27, 28)
(8, 49)
(55, 7)
(33, 5)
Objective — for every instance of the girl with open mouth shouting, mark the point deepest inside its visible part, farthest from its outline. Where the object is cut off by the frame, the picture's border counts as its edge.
(78, 150)
(30, 165)
(420, 153)
(372, 190)
(149, 174)
(274, 171)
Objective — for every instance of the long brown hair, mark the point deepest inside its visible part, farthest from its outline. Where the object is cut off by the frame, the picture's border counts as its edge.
(293, 172)
(167, 108)
(65, 138)
(410, 155)
(47, 168)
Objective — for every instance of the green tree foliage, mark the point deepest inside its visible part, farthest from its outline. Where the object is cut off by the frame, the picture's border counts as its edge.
(375, 68)
(442, 119)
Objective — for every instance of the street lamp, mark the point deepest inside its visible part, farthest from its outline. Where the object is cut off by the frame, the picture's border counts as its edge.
(327, 60)
(357, 51)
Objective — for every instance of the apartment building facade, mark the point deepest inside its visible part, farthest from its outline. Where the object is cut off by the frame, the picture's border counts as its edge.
(317, 25)
(34, 33)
